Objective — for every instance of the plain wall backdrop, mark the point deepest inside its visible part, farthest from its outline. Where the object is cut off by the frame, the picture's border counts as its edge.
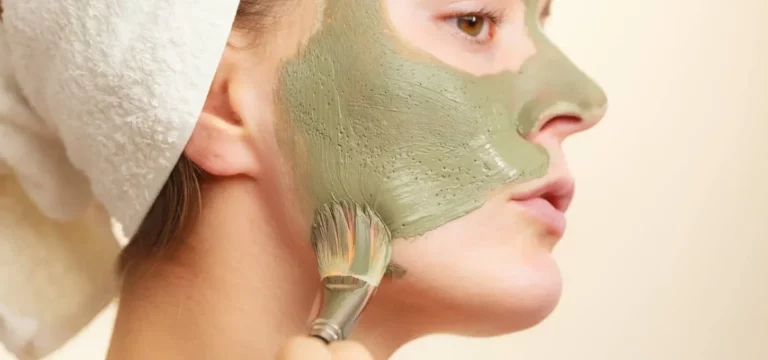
(665, 253)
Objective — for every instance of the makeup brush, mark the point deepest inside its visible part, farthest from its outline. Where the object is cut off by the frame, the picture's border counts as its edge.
(353, 248)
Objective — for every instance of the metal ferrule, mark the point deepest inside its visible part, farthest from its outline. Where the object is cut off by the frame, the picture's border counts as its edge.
(344, 299)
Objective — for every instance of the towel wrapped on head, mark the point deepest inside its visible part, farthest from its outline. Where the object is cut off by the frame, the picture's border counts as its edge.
(97, 101)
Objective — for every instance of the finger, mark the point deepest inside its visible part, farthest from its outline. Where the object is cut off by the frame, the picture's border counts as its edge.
(304, 348)
(349, 350)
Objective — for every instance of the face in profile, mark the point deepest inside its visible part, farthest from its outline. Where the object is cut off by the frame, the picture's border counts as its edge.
(446, 117)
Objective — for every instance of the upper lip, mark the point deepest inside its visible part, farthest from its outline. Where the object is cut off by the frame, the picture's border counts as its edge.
(557, 191)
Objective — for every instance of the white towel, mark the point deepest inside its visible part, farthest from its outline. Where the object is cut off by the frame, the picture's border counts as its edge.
(97, 101)
(55, 276)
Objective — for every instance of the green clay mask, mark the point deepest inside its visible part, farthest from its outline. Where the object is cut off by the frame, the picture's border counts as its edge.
(419, 141)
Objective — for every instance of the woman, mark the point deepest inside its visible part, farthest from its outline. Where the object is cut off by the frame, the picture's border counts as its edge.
(446, 116)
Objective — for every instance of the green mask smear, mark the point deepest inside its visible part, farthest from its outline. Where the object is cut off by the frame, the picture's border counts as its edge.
(420, 142)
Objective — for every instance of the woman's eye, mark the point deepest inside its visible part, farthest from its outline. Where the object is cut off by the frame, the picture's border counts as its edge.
(476, 27)
(471, 25)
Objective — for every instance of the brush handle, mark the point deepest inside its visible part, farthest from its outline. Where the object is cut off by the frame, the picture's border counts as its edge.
(344, 299)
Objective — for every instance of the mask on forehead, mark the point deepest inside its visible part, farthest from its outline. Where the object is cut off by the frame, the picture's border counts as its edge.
(421, 142)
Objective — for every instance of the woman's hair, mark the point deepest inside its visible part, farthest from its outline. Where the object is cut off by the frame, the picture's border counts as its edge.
(179, 203)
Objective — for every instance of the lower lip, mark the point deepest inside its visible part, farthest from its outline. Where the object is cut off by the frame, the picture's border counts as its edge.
(543, 210)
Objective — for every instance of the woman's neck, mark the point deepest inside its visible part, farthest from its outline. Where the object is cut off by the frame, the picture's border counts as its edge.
(237, 289)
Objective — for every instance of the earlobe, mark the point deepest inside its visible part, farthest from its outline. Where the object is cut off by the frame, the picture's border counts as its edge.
(220, 144)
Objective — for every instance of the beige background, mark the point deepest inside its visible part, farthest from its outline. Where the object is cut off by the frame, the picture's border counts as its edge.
(664, 258)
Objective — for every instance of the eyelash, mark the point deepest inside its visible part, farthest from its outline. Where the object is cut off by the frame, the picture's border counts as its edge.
(495, 19)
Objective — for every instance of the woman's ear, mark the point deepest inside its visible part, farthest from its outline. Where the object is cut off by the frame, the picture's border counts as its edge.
(220, 143)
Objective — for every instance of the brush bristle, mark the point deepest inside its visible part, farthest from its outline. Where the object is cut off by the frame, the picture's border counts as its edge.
(351, 240)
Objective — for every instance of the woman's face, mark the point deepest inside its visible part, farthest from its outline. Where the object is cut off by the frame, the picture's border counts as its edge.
(446, 116)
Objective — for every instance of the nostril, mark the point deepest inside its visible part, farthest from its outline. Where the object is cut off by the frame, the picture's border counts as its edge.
(562, 124)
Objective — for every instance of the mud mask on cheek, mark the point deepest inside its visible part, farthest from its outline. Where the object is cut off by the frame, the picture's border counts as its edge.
(419, 141)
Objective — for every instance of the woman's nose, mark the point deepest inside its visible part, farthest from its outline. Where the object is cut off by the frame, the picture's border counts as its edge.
(567, 101)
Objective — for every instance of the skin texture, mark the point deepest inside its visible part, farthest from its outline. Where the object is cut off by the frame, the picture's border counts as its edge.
(421, 142)
(245, 280)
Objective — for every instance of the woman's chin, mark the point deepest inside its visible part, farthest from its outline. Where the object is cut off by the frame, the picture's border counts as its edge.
(488, 273)
(523, 297)
(516, 297)
(481, 299)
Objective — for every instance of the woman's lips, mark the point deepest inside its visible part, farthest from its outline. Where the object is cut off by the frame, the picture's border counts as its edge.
(548, 203)
(546, 213)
